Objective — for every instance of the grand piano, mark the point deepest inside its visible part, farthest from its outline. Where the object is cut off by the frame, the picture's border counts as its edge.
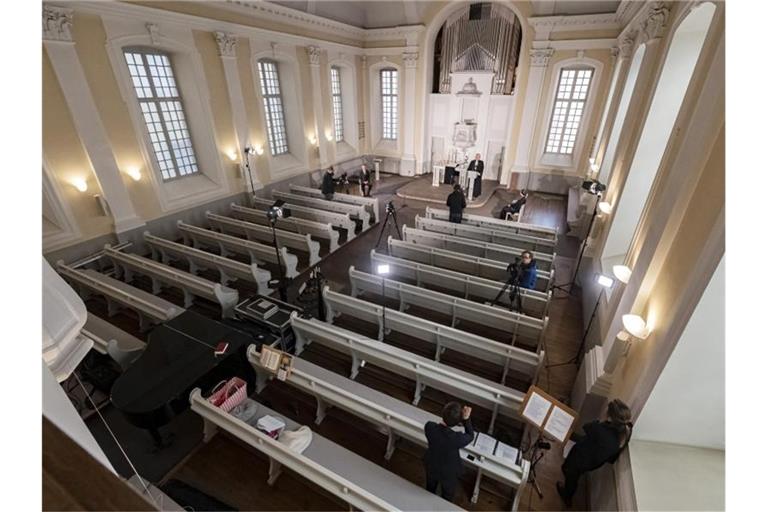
(179, 357)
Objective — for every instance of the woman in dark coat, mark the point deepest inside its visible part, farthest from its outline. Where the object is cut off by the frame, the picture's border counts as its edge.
(603, 441)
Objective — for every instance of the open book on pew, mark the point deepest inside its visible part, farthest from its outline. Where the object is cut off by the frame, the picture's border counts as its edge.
(550, 416)
(488, 445)
(276, 361)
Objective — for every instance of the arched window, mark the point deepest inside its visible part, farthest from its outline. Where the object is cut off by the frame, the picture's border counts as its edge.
(389, 114)
(273, 107)
(338, 112)
(163, 110)
(679, 64)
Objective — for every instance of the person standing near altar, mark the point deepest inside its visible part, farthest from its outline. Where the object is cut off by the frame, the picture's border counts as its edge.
(365, 181)
(477, 165)
(456, 204)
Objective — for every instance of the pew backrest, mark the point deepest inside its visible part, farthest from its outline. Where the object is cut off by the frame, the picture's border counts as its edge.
(492, 223)
(320, 230)
(496, 236)
(370, 203)
(339, 220)
(355, 211)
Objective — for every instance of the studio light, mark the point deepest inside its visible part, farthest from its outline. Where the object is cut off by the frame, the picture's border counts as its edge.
(605, 207)
(250, 150)
(622, 273)
(382, 270)
(635, 325)
(604, 280)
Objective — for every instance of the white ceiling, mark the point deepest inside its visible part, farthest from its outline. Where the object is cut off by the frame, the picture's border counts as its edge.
(380, 14)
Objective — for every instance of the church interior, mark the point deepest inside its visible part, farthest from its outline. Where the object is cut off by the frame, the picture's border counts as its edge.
(278, 237)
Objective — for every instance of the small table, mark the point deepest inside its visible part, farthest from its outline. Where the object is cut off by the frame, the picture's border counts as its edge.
(278, 323)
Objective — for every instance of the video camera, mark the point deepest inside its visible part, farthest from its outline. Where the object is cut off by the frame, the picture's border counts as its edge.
(513, 269)
(277, 211)
(342, 180)
(390, 207)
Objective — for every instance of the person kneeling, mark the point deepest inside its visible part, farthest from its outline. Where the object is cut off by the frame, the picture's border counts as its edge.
(442, 461)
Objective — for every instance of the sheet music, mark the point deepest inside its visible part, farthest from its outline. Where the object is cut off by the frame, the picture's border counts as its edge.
(485, 444)
(269, 359)
(558, 424)
(506, 452)
(536, 409)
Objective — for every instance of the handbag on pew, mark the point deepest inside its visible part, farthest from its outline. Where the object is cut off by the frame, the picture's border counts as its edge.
(228, 394)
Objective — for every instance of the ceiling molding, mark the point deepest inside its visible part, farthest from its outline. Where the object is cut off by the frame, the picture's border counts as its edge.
(545, 25)
(577, 44)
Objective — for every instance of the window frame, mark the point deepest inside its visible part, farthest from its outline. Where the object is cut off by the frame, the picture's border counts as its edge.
(337, 104)
(570, 103)
(394, 98)
(156, 100)
(270, 118)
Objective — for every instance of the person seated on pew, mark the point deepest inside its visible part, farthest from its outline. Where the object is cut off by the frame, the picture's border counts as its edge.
(442, 460)
(328, 187)
(602, 441)
(515, 206)
(456, 204)
(527, 270)
(365, 181)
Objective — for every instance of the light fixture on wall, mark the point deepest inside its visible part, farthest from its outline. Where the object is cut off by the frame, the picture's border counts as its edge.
(313, 140)
(622, 273)
(594, 167)
(259, 150)
(80, 184)
(232, 155)
(134, 173)
(328, 136)
(636, 326)
(605, 282)
(605, 207)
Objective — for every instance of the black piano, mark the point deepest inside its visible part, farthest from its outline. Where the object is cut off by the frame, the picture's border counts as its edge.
(179, 357)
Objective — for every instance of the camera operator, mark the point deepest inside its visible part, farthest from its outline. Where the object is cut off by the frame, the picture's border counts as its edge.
(328, 186)
(527, 270)
(442, 460)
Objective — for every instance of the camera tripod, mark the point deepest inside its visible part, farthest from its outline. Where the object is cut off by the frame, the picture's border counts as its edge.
(537, 450)
(515, 300)
(391, 217)
(314, 289)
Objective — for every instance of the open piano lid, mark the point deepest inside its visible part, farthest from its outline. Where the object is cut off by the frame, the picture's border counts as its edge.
(64, 314)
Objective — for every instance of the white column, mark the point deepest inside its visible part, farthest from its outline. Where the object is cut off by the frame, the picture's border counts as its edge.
(408, 159)
(365, 94)
(228, 52)
(537, 68)
(57, 24)
(317, 102)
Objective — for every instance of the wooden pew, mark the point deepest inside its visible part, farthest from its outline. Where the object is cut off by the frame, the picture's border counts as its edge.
(395, 417)
(150, 309)
(492, 223)
(470, 247)
(353, 210)
(256, 233)
(491, 395)
(481, 267)
(534, 303)
(257, 252)
(339, 220)
(102, 332)
(352, 479)
(370, 203)
(522, 329)
(190, 284)
(320, 230)
(495, 236)
(506, 356)
(229, 270)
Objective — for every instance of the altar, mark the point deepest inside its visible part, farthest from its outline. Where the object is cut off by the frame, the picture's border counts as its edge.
(441, 174)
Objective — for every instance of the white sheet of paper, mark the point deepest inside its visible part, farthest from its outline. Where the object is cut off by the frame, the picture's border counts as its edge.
(506, 452)
(558, 424)
(567, 448)
(485, 444)
(536, 409)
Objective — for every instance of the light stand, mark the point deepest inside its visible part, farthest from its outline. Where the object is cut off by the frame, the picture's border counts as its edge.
(595, 188)
(248, 152)
(281, 283)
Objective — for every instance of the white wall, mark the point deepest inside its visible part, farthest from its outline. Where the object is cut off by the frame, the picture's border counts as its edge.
(674, 477)
(687, 404)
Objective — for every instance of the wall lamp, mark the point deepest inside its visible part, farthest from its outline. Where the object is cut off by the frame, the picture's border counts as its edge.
(622, 273)
(605, 207)
(636, 326)
(80, 184)
(134, 173)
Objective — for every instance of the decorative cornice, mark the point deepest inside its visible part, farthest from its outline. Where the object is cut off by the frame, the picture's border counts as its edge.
(313, 52)
(410, 59)
(544, 25)
(57, 23)
(614, 52)
(626, 44)
(655, 21)
(227, 43)
(540, 57)
(154, 32)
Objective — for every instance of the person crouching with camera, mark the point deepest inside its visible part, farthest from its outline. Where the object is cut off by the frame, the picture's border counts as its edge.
(527, 270)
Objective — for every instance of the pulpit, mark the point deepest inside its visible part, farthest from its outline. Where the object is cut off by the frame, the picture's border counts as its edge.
(472, 176)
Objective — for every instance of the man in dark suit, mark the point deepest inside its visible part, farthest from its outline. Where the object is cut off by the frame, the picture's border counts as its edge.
(328, 187)
(477, 166)
(456, 204)
(515, 206)
(442, 460)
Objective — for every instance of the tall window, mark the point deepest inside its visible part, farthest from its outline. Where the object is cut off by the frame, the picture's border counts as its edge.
(163, 111)
(389, 104)
(572, 90)
(273, 107)
(338, 115)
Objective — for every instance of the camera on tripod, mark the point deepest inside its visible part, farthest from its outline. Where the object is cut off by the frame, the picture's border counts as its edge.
(513, 269)
(277, 211)
(390, 207)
